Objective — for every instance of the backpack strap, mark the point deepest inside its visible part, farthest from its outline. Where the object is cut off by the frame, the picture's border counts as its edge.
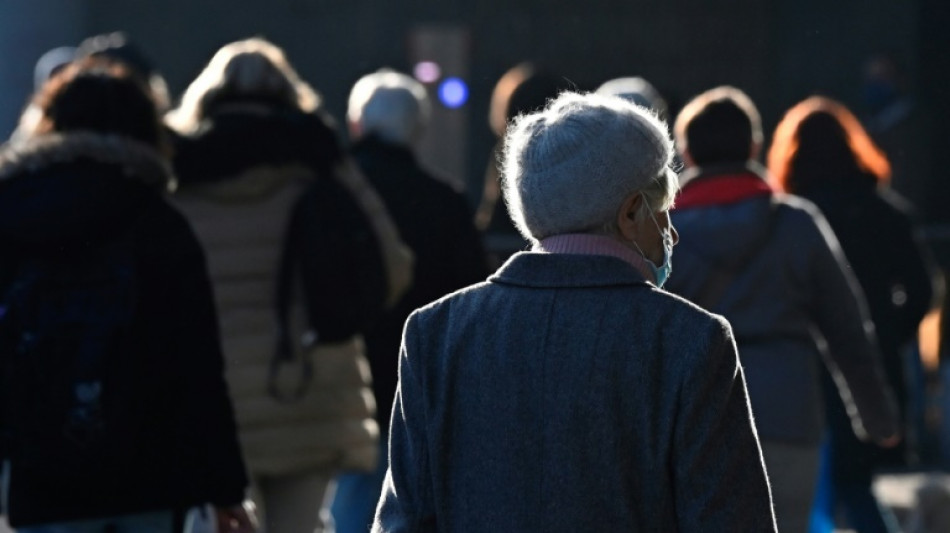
(398, 259)
(722, 275)
(397, 265)
(284, 352)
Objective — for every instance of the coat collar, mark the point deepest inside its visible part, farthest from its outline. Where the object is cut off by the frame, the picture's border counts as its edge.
(386, 153)
(546, 270)
(722, 185)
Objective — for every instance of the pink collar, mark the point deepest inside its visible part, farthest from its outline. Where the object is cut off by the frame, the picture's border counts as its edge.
(589, 244)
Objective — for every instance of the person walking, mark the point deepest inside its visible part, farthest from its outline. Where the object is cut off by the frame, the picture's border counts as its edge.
(569, 392)
(114, 412)
(821, 152)
(771, 265)
(304, 258)
(387, 115)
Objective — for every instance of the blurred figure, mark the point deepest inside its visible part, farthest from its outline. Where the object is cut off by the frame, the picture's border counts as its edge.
(386, 116)
(115, 413)
(771, 265)
(943, 376)
(522, 89)
(570, 393)
(821, 152)
(117, 47)
(931, 513)
(637, 91)
(901, 128)
(300, 250)
(50, 63)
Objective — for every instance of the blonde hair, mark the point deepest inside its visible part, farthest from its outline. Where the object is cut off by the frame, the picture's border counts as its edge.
(253, 67)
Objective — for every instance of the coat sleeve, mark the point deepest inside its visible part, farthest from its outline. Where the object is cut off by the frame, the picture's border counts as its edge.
(342, 268)
(407, 504)
(470, 261)
(719, 480)
(205, 435)
(853, 357)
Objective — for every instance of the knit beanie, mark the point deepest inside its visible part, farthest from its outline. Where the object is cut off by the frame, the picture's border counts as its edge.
(568, 168)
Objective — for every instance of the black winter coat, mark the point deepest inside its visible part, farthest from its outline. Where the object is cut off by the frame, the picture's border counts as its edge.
(63, 194)
(435, 221)
(878, 237)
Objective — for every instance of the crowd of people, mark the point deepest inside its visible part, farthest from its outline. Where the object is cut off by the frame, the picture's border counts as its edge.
(215, 311)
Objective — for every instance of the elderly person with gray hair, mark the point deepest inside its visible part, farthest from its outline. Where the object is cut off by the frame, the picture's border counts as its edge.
(386, 116)
(569, 392)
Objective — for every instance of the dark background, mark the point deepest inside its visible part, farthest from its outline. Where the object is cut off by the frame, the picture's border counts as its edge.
(778, 51)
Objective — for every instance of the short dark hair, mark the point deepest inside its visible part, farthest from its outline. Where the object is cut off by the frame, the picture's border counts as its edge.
(101, 96)
(719, 126)
(535, 92)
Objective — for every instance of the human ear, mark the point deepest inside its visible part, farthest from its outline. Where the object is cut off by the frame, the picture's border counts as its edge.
(627, 222)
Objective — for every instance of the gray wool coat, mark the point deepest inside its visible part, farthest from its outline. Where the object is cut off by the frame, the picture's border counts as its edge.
(568, 394)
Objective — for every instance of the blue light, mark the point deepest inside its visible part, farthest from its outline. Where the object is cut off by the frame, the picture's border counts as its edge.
(453, 92)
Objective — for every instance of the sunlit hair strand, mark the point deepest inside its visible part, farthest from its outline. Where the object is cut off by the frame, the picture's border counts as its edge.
(785, 157)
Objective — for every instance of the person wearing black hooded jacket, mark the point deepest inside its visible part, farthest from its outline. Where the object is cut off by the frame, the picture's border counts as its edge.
(821, 152)
(386, 115)
(91, 174)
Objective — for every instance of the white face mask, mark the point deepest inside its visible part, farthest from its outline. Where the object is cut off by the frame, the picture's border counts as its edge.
(660, 273)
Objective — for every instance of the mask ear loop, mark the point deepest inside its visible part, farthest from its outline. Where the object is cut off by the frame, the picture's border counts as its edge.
(665, 235)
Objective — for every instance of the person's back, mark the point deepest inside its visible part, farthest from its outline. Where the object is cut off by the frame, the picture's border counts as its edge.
(561, 416)
(784, 285)
(435, 222)
(149, 428)
(297, 270)
(386, 113)
(821, 152)
(812, 156)
(867, 219)
(771, 265)
(242, 219)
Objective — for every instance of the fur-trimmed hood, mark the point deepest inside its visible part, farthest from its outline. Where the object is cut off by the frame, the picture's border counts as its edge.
(238, 145)
(137, 160)
(65, 189)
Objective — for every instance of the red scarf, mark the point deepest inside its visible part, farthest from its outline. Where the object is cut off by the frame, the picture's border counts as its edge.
(721, 189)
